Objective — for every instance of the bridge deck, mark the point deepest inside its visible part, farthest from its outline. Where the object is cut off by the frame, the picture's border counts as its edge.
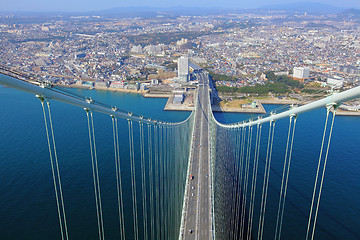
(198, 200)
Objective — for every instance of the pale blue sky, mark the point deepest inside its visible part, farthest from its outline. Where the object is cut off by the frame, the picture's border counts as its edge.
(90, 5)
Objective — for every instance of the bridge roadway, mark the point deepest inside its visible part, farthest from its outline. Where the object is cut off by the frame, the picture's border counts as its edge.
(198, 223)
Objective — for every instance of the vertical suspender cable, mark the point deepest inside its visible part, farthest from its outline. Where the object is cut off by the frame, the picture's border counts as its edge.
(61, 215)
(97, 176)
(161, 183)
(282, 179)
(243, 211)
(317, 173)
(236, 180)
(165, 151)
(133, 179)
(151, 182)
(120, 182)
(166, 181)
(252, 181)
(93, 160)
(171, 174)
(285, 178)
(175, 167)
(253, 184)
(240, 190)
(170, 187)
(323, 173)
(157, 184)
(118, 177)
(180, 176)
(57, 170)
(143, 179)
(266, 179)
(174, 185)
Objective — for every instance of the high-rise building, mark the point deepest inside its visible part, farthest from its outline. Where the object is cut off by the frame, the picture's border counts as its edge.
(183, 68)
(136, 49)
(301, 72)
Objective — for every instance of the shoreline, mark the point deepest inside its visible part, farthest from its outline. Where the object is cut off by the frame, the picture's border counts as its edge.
(106, 89)
(278, 101)
(259, 110)
(215, 108)
(340, 112)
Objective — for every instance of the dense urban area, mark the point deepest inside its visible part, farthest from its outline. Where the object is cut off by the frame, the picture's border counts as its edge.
(271, 52)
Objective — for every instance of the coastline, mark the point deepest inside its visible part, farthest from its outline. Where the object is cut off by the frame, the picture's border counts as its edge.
(340, 112)
(216, 108)
(106, 89)
(278, 101)
(260, 109)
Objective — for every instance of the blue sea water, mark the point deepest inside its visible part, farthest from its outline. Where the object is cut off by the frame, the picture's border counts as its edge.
(27, 202)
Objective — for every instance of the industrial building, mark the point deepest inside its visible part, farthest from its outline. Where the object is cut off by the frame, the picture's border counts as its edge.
(178, 99)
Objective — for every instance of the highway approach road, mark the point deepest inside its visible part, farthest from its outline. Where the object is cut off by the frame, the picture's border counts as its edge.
(198, 223)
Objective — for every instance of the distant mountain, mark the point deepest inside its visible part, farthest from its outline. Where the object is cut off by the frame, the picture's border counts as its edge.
(153, 12)
(302, 7)
(351, 14)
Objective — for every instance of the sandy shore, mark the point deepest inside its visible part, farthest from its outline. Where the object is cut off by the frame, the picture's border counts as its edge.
(259, 109)
(121, 90)
(105, 89)
(157, 95)
(340, 112)
(278, 101)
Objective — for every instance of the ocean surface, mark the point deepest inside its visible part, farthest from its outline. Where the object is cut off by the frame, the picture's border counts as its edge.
(27, 202)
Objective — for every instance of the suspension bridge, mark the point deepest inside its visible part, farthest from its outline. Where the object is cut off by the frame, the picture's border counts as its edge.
(196, 179)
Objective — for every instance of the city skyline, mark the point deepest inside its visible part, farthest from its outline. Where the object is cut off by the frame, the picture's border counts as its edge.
(91, 5)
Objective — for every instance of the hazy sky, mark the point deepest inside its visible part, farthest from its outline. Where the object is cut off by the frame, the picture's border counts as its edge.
(86, 5)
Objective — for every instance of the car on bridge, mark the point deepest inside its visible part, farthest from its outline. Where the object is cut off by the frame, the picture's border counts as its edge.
(191, 177)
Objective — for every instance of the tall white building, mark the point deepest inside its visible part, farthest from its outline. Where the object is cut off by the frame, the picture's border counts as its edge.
(136, 49)
(183, 68)
(301, 72)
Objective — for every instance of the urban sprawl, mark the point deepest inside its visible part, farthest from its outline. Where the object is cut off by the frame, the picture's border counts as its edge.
(239, 50)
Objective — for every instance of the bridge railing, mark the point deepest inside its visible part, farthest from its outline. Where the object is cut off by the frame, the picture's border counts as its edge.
(187, 185)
